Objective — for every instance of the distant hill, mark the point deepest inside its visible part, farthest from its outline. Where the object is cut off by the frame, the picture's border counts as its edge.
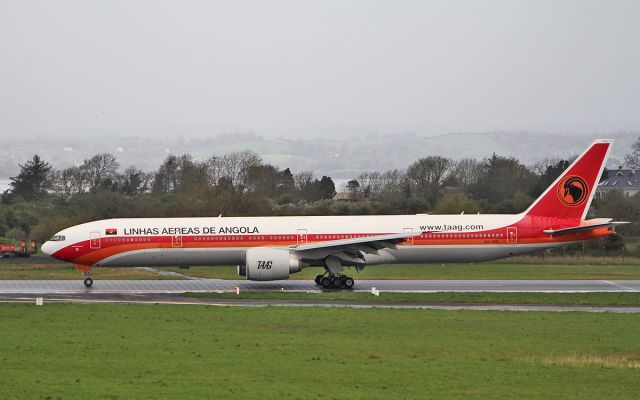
(339, 158)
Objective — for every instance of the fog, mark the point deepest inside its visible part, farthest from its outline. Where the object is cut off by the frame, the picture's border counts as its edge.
(311, 69)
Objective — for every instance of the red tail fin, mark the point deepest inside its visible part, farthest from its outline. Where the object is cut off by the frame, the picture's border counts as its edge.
(571, 194)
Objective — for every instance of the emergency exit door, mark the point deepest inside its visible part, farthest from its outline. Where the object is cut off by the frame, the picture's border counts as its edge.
(512, 235)
(176, 241)
(408, 240)
(94, 240)
(302, 236)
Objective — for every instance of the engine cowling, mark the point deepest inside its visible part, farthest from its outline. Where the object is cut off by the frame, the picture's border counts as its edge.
(267, 264)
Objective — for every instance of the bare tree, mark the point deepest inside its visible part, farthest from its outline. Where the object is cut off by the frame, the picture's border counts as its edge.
(233, 167)
(632, 159)
(467, 171)
(236, 166)
(70, 181)
(428, 174)
(302, 180)
(99, 169)
(134, 181)
(376, 186)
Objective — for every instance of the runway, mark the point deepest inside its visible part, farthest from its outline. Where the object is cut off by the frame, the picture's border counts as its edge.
(178, 299)
(399, 286)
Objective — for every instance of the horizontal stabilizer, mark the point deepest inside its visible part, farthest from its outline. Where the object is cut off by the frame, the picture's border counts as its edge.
(564, 231)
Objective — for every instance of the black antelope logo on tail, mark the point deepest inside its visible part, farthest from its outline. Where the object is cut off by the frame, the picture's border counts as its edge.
(573, 191)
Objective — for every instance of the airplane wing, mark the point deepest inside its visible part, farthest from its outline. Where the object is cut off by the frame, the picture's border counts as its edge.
(376, 242)
(600, 223)
(351, 251)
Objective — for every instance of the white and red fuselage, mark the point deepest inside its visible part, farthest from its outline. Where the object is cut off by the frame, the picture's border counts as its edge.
(224, 240)
(556, 218)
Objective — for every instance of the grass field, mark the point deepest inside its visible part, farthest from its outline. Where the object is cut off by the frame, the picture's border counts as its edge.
(591, 299)
(183, 352)
(24, 269)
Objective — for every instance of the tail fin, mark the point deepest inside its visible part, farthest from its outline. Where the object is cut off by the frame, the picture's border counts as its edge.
(571, 194)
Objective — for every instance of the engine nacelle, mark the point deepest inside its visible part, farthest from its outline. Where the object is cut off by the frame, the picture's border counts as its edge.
(267, 264)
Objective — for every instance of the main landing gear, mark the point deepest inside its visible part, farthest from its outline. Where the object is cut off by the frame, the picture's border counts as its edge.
(86, 273)
(331, 281)
(334, 278)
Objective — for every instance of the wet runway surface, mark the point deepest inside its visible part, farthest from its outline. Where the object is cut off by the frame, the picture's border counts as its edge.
(219, 285)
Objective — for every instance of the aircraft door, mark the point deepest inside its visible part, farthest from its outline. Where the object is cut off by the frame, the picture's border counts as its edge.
(408, 240)
(302, 236)
(512, 235)
(94, 240)
(176, 241)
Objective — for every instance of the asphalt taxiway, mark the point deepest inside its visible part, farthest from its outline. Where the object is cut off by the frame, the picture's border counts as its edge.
(172, 292)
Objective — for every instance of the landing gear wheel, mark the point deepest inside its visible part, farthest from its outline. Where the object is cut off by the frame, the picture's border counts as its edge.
(318, 277)
(336, 281)
(348, 282)
(88, 282)
(325, 282)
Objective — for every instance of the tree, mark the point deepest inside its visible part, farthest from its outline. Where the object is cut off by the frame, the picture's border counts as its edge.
(302, 180)
(33, 180)
(178, 174)
(100, 170)
(286, 182)
(353, 187)
(233, 166)
(70, 181)
(632, 159)
(548, 171)
(428, 175)
(323, 189)
(500, 180)
(263, 180)
(133, 181)
(467, 171)
(621, 208)
(455, 204)
(165, 177)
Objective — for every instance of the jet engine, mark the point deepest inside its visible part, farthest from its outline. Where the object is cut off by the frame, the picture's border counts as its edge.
(267, 264)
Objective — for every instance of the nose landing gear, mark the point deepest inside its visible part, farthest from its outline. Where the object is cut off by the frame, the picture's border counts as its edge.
(86, 273)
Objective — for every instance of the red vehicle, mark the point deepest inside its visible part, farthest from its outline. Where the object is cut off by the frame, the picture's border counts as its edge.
(7, 250)
(10, 250)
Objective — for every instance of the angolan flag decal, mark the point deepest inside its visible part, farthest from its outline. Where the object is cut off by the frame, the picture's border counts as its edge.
(111, 231)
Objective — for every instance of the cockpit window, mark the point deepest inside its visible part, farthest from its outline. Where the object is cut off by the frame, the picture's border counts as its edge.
(57, 238)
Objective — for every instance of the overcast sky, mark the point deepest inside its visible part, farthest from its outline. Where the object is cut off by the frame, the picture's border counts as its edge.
(305, 68)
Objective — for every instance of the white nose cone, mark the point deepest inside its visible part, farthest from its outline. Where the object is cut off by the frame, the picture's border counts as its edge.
(47, 248)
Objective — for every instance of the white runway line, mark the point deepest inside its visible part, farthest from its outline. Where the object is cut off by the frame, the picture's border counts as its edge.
(622, 286)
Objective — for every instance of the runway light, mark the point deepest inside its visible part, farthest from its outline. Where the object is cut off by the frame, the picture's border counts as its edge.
(375, 291)
(39, 301)
(236, 290)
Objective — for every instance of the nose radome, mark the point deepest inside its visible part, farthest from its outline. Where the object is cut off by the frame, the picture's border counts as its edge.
(47, 248)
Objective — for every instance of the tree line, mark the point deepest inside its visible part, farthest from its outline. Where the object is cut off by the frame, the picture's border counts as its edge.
(42, 200)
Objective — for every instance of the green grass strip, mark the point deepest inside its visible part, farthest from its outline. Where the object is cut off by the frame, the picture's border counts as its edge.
(188, 352)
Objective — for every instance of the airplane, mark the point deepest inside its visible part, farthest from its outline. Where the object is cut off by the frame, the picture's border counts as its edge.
(272, 248)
